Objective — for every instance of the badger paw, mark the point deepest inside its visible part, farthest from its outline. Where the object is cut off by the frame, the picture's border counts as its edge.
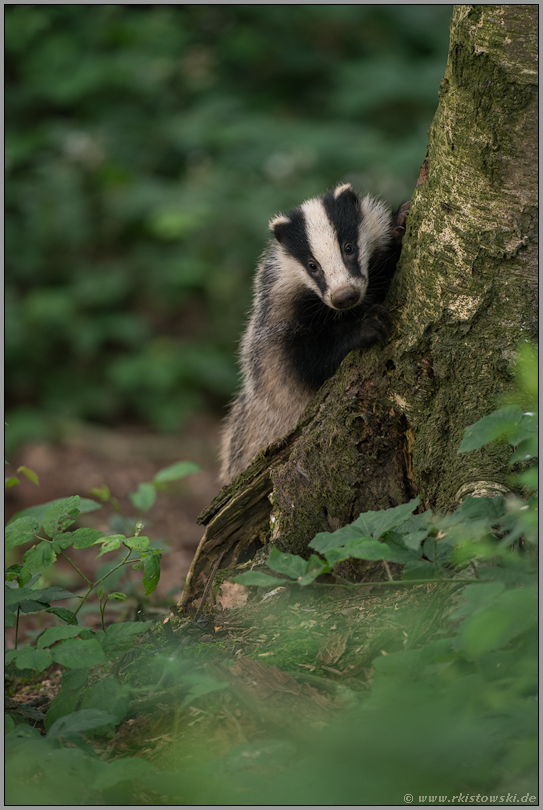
(375, 326)
(399, 219)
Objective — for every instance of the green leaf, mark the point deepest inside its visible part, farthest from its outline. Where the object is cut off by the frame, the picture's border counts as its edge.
(10, 482)
(66, 700)
(52, 594)
(126, 769)
(85, 505)
(364, 548)
(504, 422)
(483, 509)
(63, 613)
(176, 471)
(479, 596)
(117, 596)
(12, 571)
(30, 474)
(202, 685)
(413, 540)
(62, 541)
(60, 515)
(289, 564)
(77, 653)
(409, 535)
(110, 696)
(53, 634)
(511, 614)
(31, 606)
(77, 722)
(368, 525)
(421, 569)
(41, 556)
(526, 449)
(151, 571)
(30, 658)
(367, 549)
(378, 523)
(119, 638)
(21, 531)
(144, 498)
(253, 578)
(315, 567)
(102, 492)
(84, 538)
(111, 543)
(14, 596)
(137, 543)
(327, 540)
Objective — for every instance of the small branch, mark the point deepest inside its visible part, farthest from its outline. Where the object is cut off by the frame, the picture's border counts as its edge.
(92, 585)
(208, 586)
(389, 575)
(83, 599)
(17, 628)
(342, 580)
(404, 583)
(126, 561)
(81, 574)
(475, 571)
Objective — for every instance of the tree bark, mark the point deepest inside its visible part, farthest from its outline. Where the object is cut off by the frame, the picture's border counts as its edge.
(388, 424)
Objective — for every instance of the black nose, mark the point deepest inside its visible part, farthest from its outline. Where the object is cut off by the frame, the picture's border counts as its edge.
(345, 298)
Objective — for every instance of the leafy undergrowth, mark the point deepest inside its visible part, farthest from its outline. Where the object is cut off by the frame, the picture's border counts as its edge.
(294, 690)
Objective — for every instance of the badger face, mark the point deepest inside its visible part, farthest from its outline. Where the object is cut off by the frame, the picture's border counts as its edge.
(327, 243)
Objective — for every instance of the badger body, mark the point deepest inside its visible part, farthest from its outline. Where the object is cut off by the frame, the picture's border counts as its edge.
(318, 294)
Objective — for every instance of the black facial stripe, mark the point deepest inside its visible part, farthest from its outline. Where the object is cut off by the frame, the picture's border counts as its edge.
(293, 236)
(345, 216)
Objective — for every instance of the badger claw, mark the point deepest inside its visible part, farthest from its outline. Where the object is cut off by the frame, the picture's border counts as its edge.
(399, 219)
(375, 325)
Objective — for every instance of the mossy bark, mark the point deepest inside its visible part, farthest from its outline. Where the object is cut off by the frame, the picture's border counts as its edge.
(388, 425)
(465, 293)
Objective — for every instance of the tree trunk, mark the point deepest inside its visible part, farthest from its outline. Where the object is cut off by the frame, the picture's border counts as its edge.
(389, 423)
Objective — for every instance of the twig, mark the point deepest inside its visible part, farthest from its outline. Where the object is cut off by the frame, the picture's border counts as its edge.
(403, 583)
(17, 627)
(208, 586)
(389, 575)
(81, 574)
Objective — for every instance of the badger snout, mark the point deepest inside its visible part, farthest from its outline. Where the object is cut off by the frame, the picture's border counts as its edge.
(345, 297)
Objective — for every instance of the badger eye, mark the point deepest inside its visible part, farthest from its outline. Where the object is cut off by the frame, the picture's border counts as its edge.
(348, 249)
(312, 267)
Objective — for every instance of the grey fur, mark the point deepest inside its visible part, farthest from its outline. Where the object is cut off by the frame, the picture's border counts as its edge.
(274, 395)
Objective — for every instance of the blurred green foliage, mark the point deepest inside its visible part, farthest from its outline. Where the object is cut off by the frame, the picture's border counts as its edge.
(146, 148)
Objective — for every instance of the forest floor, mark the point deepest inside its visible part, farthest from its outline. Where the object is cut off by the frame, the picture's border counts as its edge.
(279, 665)
(88, 457)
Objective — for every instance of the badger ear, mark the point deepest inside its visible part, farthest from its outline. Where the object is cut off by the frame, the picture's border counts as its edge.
(345, 194)
(342, 188)
(277, 226)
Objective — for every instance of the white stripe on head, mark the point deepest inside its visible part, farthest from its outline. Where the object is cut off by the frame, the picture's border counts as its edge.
(326, 250)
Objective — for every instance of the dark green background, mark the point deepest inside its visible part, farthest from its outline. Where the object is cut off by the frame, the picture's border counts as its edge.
(146, 149)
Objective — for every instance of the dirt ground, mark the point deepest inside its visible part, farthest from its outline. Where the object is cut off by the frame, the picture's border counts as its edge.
(91, 457)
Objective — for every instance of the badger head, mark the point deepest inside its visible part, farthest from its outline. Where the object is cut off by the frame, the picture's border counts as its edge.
(326, 244)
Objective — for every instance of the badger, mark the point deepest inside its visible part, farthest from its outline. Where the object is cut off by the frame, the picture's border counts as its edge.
(318, 294)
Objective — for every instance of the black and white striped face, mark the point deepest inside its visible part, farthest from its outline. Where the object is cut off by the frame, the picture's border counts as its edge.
(327, 244)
